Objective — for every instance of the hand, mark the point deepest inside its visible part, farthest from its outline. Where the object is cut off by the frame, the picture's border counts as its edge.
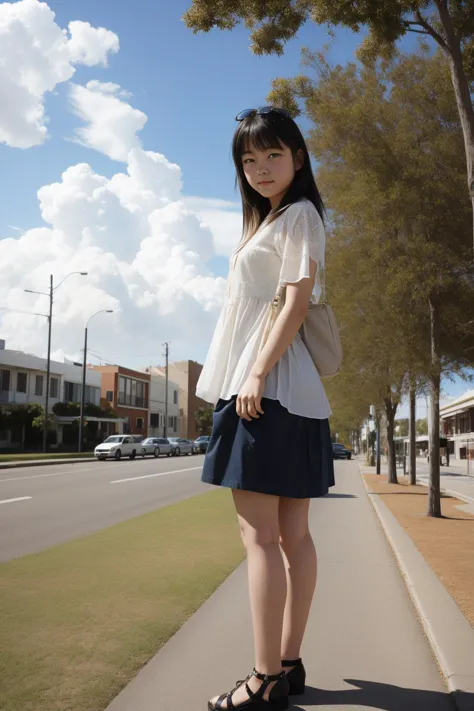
(250, 396)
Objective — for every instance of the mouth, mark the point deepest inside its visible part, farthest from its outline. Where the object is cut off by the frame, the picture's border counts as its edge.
(265, 182)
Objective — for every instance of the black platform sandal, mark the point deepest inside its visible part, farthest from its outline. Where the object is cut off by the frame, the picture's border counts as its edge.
(277, 700)
(296, 677)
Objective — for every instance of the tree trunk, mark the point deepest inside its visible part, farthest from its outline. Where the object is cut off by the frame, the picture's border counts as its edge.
(461, 89)
(434, 496)
(392, 462)
(412, 433)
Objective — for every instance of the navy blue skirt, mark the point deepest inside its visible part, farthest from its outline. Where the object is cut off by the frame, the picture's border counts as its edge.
(278, 453)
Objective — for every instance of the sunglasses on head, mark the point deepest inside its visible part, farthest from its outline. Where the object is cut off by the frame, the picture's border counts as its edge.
(262, 111)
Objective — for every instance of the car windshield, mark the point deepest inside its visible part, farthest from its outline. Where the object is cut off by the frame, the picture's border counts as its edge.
(173, 439)
(113, 439)
(148, 440)
(203, 438)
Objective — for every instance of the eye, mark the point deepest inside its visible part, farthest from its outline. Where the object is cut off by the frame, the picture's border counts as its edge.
(246, 160)
(274, 154)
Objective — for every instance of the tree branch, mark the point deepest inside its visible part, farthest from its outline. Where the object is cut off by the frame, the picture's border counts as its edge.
(419, 32)
(431, 31)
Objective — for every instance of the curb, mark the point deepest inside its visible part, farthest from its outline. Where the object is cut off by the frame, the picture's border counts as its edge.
(449, 633)
(44, 463)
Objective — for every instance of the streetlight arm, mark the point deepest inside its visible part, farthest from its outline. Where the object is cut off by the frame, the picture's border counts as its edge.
(66, 277)
(101, 311)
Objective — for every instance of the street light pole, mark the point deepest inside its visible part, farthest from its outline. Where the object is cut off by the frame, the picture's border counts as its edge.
(50, 293)
(83, 389)
(48, 366)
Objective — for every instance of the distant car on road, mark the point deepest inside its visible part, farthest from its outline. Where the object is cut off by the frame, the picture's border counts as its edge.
(155, 446)
(200, 444)
(179, 446)
(340, 452)
(117, 446)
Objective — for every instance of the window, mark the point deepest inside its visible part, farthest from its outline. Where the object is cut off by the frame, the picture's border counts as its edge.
(154, 419)
(21, 379)
(110, 396)
(39, 385)
(139, 423)
(72, 392)
(121, 395)
(175, 397)
(54, 387)
(4, 380)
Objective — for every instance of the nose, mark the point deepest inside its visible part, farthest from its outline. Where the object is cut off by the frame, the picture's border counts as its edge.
(262, 171)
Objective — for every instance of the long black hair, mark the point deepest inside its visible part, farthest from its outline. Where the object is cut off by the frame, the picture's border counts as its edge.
(264, 131)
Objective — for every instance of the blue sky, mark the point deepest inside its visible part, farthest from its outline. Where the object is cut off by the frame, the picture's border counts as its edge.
(189, 86)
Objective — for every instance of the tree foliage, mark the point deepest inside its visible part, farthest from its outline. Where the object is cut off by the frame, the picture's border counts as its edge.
(449, 23)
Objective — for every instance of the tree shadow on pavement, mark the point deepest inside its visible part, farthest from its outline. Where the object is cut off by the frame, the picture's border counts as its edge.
(341, 496)
(385, 697)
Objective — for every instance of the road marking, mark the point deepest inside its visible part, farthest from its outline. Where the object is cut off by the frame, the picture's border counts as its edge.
(10, 501)
(149, 476)
(43, 476)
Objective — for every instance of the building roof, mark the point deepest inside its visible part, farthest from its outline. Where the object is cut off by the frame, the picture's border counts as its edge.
(459, 404)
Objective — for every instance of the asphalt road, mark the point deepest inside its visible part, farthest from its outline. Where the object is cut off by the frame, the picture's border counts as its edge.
(44, 506)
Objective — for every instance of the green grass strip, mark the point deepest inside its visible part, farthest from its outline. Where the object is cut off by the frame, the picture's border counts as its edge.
(79, 620)
(29, 457)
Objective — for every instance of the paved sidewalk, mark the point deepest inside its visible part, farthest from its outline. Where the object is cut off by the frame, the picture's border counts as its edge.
(364, 646)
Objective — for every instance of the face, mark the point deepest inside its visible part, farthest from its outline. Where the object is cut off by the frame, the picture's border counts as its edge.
(270, 172)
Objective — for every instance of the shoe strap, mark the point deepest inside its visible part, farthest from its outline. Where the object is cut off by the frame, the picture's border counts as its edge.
(268, 677)
(290, 662)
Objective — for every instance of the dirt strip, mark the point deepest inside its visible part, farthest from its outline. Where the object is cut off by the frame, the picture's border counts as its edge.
(447, 544)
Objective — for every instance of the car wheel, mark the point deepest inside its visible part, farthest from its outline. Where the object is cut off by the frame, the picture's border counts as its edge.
(169, 454)
(143, 453)
(157, 452)
(133, 454)
(118, 454)
(177, 452)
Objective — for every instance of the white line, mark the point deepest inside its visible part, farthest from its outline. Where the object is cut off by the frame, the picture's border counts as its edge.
(43, 476)
(21, 498)
(149, 476)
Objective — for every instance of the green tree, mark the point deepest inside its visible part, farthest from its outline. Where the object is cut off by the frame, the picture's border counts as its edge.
(422, 426)
(450, 23)
(203, 417)
(390, 152)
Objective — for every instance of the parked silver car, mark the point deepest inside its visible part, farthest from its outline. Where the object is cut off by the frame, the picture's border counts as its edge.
(155, 446)
(180, 445)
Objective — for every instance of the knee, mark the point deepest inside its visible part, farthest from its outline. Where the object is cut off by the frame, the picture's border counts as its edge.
(293, 539)
(262, 536)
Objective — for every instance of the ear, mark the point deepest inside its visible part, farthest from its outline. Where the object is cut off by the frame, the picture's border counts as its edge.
(299, 159)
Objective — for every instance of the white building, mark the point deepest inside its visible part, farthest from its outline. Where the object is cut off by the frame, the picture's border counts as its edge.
(156, 405)
(457, 424)
(23, 382)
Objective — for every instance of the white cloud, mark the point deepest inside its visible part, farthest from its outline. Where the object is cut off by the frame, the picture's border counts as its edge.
(145, 251)
(35, 56)
(145, 246)
(91, 45)
(112, 124)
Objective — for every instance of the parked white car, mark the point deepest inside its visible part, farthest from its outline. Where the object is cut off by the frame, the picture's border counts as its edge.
(118, 446)
(155, 446)
(180, 446)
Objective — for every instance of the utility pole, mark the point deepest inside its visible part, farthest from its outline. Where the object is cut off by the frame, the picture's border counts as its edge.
(50, 293)
(48, 365)
(165, 428)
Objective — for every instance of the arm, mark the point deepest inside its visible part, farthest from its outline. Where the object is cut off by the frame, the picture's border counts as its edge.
(284, 330)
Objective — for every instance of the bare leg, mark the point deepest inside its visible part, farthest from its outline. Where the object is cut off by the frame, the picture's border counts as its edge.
(301, 572)
(258, 516)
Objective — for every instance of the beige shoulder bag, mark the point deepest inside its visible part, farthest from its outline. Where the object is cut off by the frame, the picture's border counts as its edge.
(319, 332)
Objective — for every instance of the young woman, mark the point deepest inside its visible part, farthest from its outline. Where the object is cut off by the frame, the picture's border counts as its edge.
(270, 441)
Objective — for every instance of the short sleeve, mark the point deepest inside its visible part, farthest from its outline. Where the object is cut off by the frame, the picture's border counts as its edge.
(300, 239)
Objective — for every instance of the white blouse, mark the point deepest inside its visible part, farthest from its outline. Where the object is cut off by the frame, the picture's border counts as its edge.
(278, 253)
